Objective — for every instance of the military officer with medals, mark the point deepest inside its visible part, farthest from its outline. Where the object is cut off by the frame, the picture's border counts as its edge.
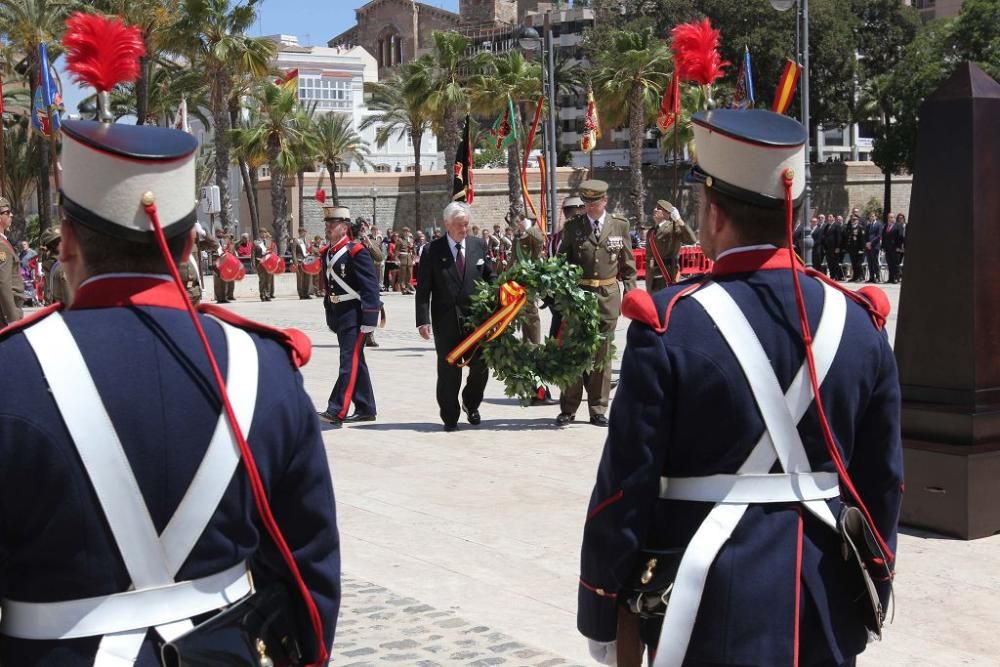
(126, 516)
(722, 487)
(300, 250)
(11, 283)
(598, 242)
(352, 308)
(663, 245)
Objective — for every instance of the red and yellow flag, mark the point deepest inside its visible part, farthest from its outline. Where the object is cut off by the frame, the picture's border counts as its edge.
(591, 125)
(786, 87)
(670, 107)
(512, 299)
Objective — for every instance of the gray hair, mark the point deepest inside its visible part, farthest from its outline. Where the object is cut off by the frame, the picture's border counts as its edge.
(456, 209)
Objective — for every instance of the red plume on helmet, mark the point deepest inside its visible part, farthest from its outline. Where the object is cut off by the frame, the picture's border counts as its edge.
(102, 51)
(696, 52)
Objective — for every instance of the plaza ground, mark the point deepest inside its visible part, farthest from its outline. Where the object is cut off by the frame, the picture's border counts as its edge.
(463, 548)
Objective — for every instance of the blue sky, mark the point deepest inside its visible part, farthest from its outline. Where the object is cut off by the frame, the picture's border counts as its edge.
(312, 21)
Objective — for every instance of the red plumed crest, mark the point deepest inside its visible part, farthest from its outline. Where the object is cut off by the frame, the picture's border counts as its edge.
(102, 51)
(696, 52)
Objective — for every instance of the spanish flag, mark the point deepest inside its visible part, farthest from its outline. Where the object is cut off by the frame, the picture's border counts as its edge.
(290, 80)
(786, 87)
(591, 125)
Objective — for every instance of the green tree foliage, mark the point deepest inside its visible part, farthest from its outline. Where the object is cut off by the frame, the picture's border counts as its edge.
(975, 35)
(339, 146)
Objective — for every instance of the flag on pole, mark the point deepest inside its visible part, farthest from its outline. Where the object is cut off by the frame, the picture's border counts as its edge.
(504, 128)
(463, 188)
(743, 98)
(46, 98)
(290, 80)
(670, 107)
(591, 125)
(786, 87)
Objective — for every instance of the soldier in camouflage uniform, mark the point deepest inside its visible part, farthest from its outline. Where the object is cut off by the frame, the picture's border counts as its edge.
(598, 242)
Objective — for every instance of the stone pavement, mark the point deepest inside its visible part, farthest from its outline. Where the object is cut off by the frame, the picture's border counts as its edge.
(467, 543)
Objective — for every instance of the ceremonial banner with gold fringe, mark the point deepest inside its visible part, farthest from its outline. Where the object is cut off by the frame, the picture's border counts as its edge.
(512, 299)
(591, 125)
(543, 200)
(786, 87)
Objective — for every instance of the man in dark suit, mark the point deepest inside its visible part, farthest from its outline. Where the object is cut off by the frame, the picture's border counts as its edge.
(449, 269)
(873, 248)
(817, 250)
(892, 243)
(833, 240)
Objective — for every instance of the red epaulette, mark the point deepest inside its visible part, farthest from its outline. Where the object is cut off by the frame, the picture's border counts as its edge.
(638, 305)
(296, 342)
(871, 298)
(26, 322)
(355, 249)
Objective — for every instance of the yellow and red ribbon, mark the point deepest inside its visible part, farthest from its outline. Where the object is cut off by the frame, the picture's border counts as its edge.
(512, 299)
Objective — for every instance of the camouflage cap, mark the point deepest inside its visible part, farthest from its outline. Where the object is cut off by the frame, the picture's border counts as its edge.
(593, 190)
(50, 237)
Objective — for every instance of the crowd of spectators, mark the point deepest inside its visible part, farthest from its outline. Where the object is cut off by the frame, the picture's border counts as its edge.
(855, 249)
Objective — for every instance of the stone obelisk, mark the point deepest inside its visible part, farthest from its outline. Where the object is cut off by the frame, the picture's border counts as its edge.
(948, 333)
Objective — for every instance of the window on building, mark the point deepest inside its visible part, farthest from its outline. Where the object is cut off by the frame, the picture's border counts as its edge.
(382, 168)
(327, 93)
(834, 136)
(411, 167)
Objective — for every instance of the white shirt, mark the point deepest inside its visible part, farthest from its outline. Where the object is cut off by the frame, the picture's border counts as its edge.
(451, 245)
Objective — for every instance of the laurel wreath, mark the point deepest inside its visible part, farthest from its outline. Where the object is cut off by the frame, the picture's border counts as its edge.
(520, 364)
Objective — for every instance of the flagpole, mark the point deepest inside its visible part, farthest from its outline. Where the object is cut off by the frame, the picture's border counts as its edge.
(676, 149)
(53, 148)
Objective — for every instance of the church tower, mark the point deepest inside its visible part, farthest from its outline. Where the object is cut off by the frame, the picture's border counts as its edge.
(488, 12)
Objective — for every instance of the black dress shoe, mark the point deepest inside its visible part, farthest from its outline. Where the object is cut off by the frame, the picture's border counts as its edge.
(548, 400)
(371, 342)
(599, 420)
(448, 428)
(473, 416)
(564, 418)
(330, 419)
(351, 419)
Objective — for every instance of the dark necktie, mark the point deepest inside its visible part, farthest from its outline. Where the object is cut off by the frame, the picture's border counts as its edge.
(459, 259)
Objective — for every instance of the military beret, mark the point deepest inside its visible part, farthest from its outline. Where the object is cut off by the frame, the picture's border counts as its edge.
(664, 204)
(336, 213)
(112, 171)
(50, 236)
(593, 190)
(572, 202)
(745, 154)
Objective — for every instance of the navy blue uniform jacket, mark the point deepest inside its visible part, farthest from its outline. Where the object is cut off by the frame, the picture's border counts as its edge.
(153, 377)
(357, 269)
(684, 409)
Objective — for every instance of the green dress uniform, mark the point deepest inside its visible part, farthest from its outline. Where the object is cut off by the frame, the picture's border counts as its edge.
(528, 247)
(665, 239)
(11, 284)
(605, 257)
(265, 280)
(404, 253)
(190, 270)
(303, 281)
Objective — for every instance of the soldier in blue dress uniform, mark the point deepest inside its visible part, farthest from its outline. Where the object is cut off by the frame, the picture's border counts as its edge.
(352, 308)
(122, 379)
(716, 462)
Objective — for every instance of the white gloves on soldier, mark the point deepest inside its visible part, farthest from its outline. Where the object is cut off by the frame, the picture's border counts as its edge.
(675, 215)
(605, 653)
(365, 329)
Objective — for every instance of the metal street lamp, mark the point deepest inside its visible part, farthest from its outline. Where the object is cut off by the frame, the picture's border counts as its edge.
(373, 191)
(802, 19)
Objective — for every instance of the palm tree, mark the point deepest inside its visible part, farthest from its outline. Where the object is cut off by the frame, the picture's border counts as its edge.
(212, 33)
(632, 68)
(401, 109)
(693, 98)
(305, 149)
(277, 134)
(447, 70)
(20, 172)
(26, 24)
(251, 157)
(508, 76)
(338, 144)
